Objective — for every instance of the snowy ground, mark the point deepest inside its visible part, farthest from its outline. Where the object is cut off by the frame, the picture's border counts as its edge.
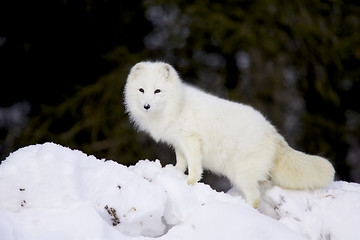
(52, 192)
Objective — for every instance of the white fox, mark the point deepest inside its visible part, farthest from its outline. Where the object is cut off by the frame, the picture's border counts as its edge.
(227, 138)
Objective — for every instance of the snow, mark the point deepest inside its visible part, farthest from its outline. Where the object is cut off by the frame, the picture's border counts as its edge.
(52, 192)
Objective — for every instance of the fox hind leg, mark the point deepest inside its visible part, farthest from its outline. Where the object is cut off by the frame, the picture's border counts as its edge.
(249, 189)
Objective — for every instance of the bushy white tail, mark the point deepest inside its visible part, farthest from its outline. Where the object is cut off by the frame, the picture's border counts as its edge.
(297, 170)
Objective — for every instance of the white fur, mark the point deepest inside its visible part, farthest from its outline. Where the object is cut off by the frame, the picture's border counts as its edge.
(227, 138)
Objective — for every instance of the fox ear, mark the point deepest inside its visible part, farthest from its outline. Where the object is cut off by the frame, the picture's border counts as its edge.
(167, 69)
(137, 67)
(170, 73)
(134, 70)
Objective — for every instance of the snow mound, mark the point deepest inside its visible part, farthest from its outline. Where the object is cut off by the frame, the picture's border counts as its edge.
(331, 213)
(52, 192)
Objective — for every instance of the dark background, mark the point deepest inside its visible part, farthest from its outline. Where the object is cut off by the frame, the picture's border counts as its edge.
(63, 66)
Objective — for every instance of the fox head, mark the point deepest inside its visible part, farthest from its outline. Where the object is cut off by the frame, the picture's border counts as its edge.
(150, 89)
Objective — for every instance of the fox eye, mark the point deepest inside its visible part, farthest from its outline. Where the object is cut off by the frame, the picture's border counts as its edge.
(141, 90)
(157, 91)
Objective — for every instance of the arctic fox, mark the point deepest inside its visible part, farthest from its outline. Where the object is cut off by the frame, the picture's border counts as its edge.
(225, 137)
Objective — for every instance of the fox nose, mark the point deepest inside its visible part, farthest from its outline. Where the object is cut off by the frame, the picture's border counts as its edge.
(147, 106)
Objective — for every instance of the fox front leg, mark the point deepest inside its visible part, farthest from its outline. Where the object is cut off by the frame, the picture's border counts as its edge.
(192, 152)
(180, 161)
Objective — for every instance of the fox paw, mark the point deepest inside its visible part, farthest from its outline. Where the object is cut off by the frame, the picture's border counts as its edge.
(192, 180)
(256, 203)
